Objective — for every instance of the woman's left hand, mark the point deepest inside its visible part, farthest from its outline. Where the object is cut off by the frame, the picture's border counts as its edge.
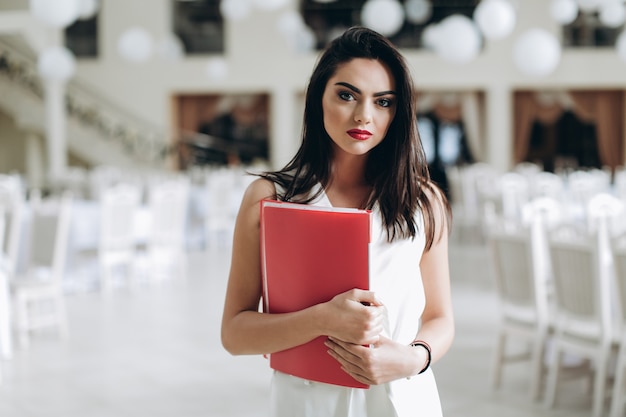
(382, 362)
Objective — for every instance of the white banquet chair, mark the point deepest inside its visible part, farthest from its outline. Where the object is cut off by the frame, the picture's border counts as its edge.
(224, 192)
(6, 349)
(480, 199)
(618, 398)
(102, 177)
(74, 179)
(38, 298)
(13, 206)
(515, 192)
(548, 184)
(582, 186)
(542, 214)
(117, 245)
(619, 183)
(13, 201)
(168, 202)
(582, 312)
(524, 308)
(528, 169)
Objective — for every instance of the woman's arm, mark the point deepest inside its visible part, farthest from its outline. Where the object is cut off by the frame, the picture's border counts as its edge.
(247, 331)
(437, 327)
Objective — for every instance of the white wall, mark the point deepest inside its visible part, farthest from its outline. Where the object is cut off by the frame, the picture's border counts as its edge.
(260, 61)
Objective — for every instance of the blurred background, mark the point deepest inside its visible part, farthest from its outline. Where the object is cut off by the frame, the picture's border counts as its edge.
(126, 132)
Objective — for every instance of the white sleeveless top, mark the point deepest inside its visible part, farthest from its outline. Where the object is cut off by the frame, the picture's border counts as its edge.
(396, 279)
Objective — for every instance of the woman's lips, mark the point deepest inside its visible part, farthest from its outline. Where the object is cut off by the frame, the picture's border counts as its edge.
(359, 134)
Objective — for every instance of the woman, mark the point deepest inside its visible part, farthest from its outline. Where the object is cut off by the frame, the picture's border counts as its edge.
(360, 149)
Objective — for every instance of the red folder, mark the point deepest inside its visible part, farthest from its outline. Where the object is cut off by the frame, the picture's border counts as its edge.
(309, 254)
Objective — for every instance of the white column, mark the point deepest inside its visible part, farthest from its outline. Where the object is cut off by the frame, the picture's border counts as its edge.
(624, 131)
(35, 160)
(499, 129)
(283, 140)
(55, 128)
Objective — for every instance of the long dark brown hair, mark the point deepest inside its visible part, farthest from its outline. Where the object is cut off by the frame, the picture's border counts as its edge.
(397, 168)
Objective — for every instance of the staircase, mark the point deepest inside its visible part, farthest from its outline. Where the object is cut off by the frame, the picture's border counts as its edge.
(98, 132)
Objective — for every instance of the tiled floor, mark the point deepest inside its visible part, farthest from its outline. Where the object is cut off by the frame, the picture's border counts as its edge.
(157, 353)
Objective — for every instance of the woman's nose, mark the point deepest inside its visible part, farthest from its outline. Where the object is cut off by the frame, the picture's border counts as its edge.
(363, 114)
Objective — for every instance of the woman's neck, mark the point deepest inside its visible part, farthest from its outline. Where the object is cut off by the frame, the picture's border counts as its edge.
(347, 186)
(348, 170)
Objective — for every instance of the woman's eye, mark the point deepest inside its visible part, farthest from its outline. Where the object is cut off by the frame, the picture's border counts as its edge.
(344, 95)
(385, 102)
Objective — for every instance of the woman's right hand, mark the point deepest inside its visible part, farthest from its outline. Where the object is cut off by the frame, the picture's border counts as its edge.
(355, 316)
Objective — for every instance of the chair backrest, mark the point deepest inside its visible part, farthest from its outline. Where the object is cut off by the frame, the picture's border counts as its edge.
(619, 183)
(606, 210)
(581, 291)
(475, 179)
(583, 185)
(118, 207)
(168, 203)
(6, 347)
(12, 200)
(528, 169)
(73, 179)
(548, 184)
(223, 195)
(49, 232)
(517, 284)
(3, 256)
(515, 193)
(619, 267)
(542, 214)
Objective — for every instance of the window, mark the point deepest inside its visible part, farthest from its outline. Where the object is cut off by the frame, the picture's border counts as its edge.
(588, 31)
(81, 37)
(443, 141)
(199, 25)
(327, 19)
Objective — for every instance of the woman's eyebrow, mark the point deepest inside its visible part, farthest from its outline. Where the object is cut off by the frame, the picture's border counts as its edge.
(358, 91)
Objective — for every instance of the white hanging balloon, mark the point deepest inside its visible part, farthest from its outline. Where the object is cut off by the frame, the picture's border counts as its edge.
(269, 4)
(135, 45)
(87, 9)
(612, 13)
(564, 11)
(537, 52)
(430, 36)
(384, 16)
(216, 69)
(620, 45)
(589, 5)
(235, 9)
(459, 39)
(56, 63)
(290, 22)
(302, 41)
(57, 13)
(495, 18)
(418, 11)
(171, 48)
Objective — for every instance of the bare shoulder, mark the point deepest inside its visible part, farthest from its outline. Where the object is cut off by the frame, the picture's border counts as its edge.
(260, 189)
(435, 195)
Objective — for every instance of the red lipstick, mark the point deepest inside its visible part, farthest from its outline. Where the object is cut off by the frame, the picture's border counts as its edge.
(359, 134)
